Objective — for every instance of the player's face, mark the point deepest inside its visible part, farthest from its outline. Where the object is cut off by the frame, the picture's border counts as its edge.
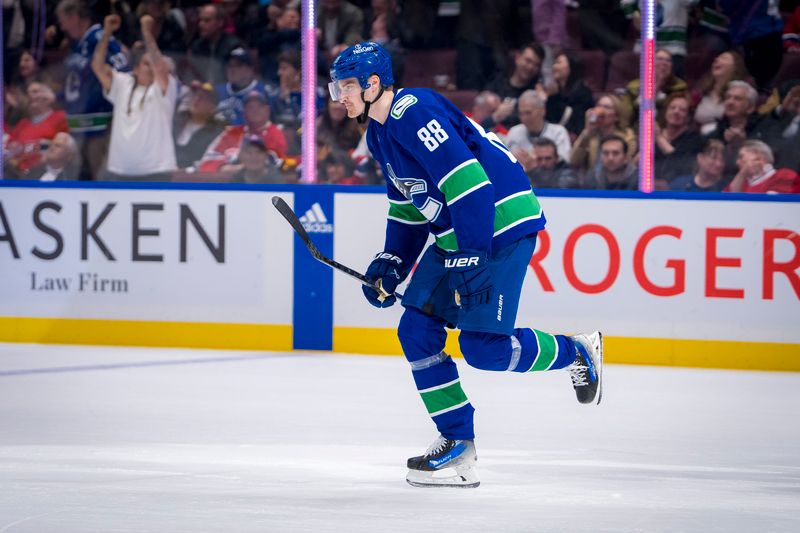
(348, 92)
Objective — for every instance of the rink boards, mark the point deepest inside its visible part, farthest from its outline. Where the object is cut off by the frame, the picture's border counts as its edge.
(689, 282)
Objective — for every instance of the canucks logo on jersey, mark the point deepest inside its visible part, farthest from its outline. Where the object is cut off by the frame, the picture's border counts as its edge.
(409, 187)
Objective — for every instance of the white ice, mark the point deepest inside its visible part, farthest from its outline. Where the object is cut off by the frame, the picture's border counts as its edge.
(97, 439)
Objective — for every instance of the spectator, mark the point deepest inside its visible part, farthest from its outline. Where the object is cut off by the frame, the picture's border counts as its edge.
(170, 34)
(739, 120)
(569, 98)
(756, 173)
(381, 33)
(258, 165)
(781, 129)
(286, 98)
(58, 161)
(335, 130)
(791, 32)
(533, 125)
(671, 27)
(212, 45)
(337, 169)
(28, 139)
(710, 167)
(196, 126)
(241, 76)
(667, 84)
(27, 72)
(615, 171)
(525, 76)
(709, 95)
(550, 171)
(340, 24)
(603, 120)
(484, 109)
(144, 106)
(88, 112)
(283, 37)
(676, 142)
(550, 29)
(222, 154)
(757, 27)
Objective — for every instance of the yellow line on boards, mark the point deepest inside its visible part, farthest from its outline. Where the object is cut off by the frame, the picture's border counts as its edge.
(620, 350)
(146, 333)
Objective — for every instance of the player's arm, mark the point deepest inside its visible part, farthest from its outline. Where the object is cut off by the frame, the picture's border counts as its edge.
(101, 69)
(453, 168)
(160, 66)
(406, 229)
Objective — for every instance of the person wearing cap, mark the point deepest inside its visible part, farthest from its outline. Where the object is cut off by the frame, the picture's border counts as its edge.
(258, 164)
(240, 73)
(197, 125)
(223, 153)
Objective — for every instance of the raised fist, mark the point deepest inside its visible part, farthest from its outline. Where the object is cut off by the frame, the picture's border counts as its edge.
(111, 23)
(147, 22)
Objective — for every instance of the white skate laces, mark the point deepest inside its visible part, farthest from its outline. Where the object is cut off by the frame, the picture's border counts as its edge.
(586, 372)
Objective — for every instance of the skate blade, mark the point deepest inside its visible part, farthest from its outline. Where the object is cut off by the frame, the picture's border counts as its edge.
(447, 477)
(599, 367)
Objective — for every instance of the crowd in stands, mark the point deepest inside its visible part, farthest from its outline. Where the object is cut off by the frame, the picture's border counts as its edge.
(209, 90)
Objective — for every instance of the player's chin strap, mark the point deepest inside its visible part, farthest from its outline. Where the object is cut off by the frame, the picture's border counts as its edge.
(363, 116)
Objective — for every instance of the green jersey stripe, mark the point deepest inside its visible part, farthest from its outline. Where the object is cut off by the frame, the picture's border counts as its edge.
(439, 400)
(454, 170)
(406, 212)
(463, 194)
(514, 210)
(463, 180)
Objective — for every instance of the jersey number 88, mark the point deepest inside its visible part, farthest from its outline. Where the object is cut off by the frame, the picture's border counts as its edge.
(432, 135)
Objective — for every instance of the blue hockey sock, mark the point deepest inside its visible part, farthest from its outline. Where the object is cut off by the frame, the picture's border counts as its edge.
(542, 351)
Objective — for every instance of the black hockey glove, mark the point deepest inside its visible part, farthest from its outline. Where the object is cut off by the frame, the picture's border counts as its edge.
(385, 270)
(470, 278)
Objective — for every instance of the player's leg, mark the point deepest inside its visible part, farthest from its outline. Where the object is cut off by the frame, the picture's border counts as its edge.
(449, 461)
(489, 340)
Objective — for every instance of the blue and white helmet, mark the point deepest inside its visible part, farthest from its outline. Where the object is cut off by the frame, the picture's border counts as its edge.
(361, 61)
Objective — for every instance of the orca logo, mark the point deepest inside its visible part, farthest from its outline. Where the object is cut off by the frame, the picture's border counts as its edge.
(315, 221)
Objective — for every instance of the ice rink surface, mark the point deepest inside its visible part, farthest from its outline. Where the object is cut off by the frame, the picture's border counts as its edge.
(97, 439)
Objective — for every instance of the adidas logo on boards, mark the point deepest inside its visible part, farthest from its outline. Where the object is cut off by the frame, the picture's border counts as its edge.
(315, 221)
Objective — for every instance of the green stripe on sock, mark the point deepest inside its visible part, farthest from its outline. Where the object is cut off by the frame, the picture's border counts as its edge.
(462, 180)
(509, 212)
(547, 351)
(405, 212)
(440, 399)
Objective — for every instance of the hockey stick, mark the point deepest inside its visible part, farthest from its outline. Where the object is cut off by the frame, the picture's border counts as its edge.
(284, 209)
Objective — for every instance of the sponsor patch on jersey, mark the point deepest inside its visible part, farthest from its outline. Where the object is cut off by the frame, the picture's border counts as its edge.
(402, 104)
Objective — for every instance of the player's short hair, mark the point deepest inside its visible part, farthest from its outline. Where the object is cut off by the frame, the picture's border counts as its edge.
(74, 7)
(615, 138)
(760, 147)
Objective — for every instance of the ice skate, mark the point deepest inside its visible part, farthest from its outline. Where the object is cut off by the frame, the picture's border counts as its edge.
(587, 370)
(446, 463)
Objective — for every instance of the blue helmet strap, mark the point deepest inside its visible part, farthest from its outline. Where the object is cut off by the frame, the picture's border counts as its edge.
(363, 116)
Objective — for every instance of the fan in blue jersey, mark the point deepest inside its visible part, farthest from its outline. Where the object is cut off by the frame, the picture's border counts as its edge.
(447, 176)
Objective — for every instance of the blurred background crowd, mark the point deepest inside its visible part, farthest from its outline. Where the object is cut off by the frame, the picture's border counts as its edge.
(183, 90)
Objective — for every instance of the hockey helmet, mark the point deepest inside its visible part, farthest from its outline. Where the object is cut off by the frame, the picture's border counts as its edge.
(361, 61)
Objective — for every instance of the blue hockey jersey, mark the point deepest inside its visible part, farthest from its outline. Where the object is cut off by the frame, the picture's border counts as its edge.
(87, 109)
(448, 176)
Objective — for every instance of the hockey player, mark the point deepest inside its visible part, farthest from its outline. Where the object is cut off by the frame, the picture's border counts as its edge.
(447, 176)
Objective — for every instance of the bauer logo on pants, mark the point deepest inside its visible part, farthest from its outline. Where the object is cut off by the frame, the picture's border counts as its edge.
(315, 221)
